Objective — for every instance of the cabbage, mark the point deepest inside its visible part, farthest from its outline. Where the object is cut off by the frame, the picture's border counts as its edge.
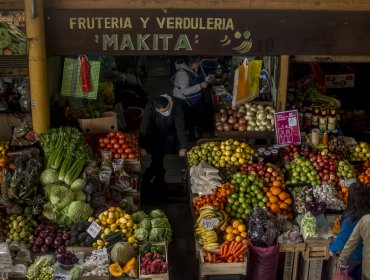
(79, 211)
(49, 176)
(160, 223)
(157, 213)
(62, 218)
(139, 216)
(60, 196)
(141, 234)
(78, 185)
(49, 212)
(81, 196)
(160, 234)
(145, 223)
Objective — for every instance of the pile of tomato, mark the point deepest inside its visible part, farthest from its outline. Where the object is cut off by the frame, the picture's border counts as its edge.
(120, 144)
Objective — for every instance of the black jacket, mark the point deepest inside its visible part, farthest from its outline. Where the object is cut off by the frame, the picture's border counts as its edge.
(153, 124)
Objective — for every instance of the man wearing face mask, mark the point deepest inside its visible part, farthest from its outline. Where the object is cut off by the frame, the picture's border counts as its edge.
(162, 122)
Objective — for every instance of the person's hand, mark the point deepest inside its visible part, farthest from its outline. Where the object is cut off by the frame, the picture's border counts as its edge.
(143, 152)
(203, 84)
(182, 153)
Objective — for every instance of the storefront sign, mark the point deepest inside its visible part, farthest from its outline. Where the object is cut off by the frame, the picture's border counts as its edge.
(287, 127)
(206, 32)
(13, 39)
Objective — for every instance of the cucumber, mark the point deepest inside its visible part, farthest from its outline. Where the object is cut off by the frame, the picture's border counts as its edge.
(112, 235)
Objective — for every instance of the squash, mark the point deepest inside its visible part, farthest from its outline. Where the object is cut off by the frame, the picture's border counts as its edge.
(130, 265)
(122, 252)
(115, 269)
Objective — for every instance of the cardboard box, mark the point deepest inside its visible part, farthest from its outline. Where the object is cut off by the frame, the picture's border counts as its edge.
(104, 124)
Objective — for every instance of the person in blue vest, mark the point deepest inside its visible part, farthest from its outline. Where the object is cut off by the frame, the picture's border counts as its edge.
(189, 82)
(357, 206)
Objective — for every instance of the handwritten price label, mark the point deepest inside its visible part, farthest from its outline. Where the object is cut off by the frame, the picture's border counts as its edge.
(210, 223)
(94, 229)
(100, 255)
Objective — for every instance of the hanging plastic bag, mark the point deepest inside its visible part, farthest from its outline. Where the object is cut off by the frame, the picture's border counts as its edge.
(246, 81)
(341, 274)
(263, 262)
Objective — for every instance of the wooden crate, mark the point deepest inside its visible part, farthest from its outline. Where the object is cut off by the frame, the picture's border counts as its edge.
(316, 248)
(297, 247)
(132, 166)
(220, 268)
(162, 276)
(288, 265)
(310, 270)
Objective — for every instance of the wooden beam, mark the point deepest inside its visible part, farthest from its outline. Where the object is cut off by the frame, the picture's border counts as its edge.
(283, 83)
(330, 58)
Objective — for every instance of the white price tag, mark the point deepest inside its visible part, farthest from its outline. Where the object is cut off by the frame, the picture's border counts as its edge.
(347, 182)
(209, 224)
(100, 255)
(94, 229)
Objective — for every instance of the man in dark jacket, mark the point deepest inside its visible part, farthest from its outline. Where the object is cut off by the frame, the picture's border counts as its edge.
(162, 121)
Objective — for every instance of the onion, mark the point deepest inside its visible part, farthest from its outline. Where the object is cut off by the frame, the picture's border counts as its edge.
(262, 128)
(242, 127)
(269, 116)
(265, 122)
(222, 111)
(236, 126)
(223, 118)
(231, 120)
(226, 127)
(242, 121)
(250, 128)
(219, 127)
(259, 107)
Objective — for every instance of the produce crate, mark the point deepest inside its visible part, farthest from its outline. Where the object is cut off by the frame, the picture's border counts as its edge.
(162, 276)
(132, 166)
(316, 248)
(220, 268)
(310, 270)
(296, 247)
(288, 265)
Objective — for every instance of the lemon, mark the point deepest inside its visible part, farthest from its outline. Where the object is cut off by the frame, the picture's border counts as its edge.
(99, 247)
(117, 215)
(111, 215)
(123, 220)
(102, 236)
(134, 226)
(113, 227)
(129, 224)
(107, 231)
(127, 216)
(110, 221)
(124, 230)
(131, 240)
(122, 226)
(91, 219)
(100, 242)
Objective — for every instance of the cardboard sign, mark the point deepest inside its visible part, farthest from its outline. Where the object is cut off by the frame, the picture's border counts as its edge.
(100, 255)
(287, 127)
(209, 224)
(94, 229)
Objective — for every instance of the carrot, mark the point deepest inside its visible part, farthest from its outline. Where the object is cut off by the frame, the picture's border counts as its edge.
(241, 250)
(222, 248)
(236, 248)
(226, 248)
(231, 247)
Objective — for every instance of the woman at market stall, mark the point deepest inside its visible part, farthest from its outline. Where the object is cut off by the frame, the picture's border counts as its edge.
(358, 206)
(162, 123)
(189, 81)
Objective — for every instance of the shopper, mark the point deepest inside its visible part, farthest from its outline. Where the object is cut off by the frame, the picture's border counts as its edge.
(357, 207)
(189, 81)
(162, 123)
(361, 233)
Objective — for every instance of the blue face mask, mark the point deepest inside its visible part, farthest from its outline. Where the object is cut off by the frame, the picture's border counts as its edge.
(166, 113)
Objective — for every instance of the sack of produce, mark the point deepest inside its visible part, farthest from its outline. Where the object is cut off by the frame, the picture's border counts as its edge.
(263, 262)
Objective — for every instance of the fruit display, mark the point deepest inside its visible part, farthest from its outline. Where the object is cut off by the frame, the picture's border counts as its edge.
(326, 193)
(153, 259)
(236, 231)
(229, 252)
(360, 152)
(121, 145)
(226, 172)
(206, 233)
(50, 238)
(79, 236)
(247, 195)
(20, 228)
(115, 220)
(325, 166)
(338, 147)
(364, 174)
(345, 170)
(218, 199)
(290, 152)
(67, 259)
(247, 117)
(219, 154)
(301, 170)
(301, 195)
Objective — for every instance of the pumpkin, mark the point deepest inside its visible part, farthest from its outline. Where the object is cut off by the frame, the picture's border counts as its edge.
(122, 252)
(115, 269)
(131, 267)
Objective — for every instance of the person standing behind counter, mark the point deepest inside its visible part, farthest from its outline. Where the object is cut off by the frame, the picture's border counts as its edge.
(162, 121)
(189, 81)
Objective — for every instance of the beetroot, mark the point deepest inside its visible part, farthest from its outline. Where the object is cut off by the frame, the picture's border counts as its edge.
(164, 267)
(154, 267)
(148, 255)
(143, 271)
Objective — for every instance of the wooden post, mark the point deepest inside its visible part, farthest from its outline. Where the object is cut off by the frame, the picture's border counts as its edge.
(283, 83)
(34, 10)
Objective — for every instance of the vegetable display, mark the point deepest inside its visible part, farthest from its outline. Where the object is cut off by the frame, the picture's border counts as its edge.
(122, 145)
(153, 259)
(50, 238)
(42, 269)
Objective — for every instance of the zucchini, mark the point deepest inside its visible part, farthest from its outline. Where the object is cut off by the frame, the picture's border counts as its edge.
(112, 235)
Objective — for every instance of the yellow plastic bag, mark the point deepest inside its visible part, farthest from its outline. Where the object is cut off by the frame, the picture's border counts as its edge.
(246, 81)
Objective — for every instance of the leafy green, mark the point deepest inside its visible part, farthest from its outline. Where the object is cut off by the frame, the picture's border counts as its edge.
(160, 234)
(160, 223)
(76, 272)
(157, 213)
(49, 212)
(145, 223)
(49, 176)
(81, 196)
(78, 185)
(79, 211)
(139, 216)
(141, 234)
(60, 196)
(42, 268)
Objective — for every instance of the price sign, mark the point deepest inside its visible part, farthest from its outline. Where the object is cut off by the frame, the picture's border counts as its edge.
(94, 229)
(347, 182)
(100, 255)
(210, 223)
(287, 127)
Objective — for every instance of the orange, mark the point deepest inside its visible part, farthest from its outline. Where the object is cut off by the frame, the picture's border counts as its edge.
(284, 206)
(244, 234)
(235, 231)
(245, 242)
(229, 229)
(275, 208)
(268, 204)
(288, 201)
(268, 194)
(276, 183)
(265, 189)
(242, 228)
(236, 223)
(275, 190)
(344, 189)
(238, 239)
(273, 199)
(229, 237)
(283, 195)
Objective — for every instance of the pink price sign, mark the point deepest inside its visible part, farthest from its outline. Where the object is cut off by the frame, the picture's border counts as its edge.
(287, 127)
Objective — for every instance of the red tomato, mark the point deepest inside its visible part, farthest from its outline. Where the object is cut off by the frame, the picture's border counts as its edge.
(101, 145)
(117, 155)
(112, 134)
(121, 141)
(116, 146)
(124, 155)
(131, 156)
(120, 150)
(113, 141)
(109, 146)
(124, 146)
(128, 150)
(101, 140)
(106, 141)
